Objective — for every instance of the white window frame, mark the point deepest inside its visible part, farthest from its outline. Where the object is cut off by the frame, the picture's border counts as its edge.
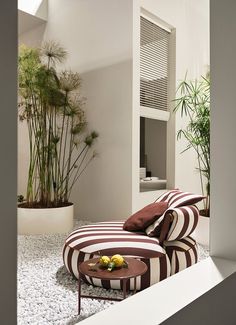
(162, 115)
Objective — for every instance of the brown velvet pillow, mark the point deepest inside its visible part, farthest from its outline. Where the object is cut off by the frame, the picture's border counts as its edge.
(145, 217)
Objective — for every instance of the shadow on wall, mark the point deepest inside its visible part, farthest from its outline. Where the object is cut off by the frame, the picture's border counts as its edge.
(105, 190)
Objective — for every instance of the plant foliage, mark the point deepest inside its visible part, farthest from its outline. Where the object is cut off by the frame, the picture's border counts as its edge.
(194, 102)
(51, 105)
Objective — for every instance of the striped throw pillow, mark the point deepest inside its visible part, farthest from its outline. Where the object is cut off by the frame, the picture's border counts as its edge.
(179, 198)
(164, 197)
(184, 222)
(175, 198)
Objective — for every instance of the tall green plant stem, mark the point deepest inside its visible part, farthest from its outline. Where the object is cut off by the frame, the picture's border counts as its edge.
(194, 103)
(51, 106)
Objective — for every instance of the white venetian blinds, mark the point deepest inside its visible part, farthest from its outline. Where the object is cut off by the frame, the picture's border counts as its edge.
(154, 57)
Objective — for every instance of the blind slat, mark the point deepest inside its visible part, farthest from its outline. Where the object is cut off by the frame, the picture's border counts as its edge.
(154, 57)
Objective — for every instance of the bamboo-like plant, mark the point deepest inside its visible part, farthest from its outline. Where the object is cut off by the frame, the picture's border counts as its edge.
(194, 102)
(51, 105)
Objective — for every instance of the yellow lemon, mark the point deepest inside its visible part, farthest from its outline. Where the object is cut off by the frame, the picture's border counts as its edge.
(118, 260)
(104, 260)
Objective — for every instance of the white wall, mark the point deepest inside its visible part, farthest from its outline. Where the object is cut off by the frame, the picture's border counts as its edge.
(98, 38)
(96, 33)
(223, 131)
(104, 192)
(32, 37)
(190, 18)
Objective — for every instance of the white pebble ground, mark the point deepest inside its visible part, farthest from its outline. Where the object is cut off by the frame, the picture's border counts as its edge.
(47, 294)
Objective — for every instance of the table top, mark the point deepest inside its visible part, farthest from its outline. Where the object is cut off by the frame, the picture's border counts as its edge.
(135, 268)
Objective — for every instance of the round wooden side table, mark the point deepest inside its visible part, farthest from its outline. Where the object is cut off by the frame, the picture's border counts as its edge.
(135, 268)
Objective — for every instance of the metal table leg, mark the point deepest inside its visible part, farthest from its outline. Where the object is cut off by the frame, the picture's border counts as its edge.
(124, 288)
(135, 284)
(79, 293)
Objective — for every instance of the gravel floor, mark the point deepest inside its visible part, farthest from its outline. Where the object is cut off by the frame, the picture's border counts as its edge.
(47, 294)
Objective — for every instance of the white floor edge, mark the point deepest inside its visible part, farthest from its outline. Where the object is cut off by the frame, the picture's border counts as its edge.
(157, 303)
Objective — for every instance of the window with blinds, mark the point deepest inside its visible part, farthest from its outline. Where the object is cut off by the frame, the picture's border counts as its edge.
(154, 58)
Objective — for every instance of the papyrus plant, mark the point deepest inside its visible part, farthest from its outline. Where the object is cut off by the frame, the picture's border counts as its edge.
(194, 102)
(51, 105)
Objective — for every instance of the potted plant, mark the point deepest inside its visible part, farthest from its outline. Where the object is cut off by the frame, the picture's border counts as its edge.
(194, 103)
(59, 144)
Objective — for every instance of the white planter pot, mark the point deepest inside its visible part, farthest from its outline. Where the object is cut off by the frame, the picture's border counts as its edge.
(45, 221)
(201, 233)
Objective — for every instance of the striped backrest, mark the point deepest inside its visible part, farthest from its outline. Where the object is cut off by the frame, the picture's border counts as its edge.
(179, 198)
(184, 222)
(164, 197)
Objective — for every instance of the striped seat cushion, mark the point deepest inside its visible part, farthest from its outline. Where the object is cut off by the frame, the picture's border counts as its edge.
(182, 253)
(108, 238)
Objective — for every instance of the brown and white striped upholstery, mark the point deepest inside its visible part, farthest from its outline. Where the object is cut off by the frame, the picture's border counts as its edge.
(179, 198)
(182, 253)
(184, 222)
(108, 238)
(164, 197)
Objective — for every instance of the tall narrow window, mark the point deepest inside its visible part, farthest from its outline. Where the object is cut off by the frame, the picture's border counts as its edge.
(154, 58)
(157, 89)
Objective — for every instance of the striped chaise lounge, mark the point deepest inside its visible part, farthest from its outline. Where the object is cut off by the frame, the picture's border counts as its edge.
(177, 252)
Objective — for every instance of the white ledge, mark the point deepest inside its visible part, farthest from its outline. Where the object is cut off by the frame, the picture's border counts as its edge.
(157, 303)
(156, 114)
